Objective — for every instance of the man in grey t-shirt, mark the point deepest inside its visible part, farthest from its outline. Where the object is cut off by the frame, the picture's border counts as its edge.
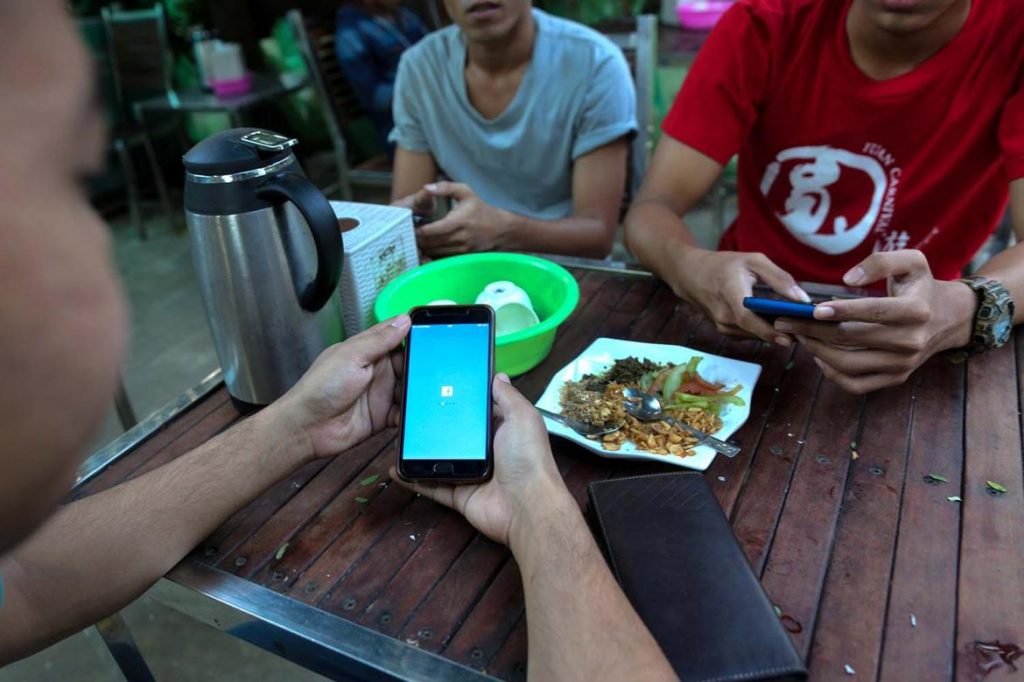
(529, 116)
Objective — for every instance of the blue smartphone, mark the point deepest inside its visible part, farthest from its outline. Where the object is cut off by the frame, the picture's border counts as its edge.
(445, 430)
(770, 308)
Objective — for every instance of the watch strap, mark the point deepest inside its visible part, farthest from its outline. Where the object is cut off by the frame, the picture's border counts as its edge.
(995, 304)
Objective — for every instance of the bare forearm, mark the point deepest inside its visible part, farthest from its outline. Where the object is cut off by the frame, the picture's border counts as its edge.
(960, 303)
(660, 240)
(581, 627)
(98, 554)
(412, 170)
(573, 236)
(1007, 268)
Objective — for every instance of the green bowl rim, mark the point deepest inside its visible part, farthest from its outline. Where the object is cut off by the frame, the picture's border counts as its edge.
(560, 315)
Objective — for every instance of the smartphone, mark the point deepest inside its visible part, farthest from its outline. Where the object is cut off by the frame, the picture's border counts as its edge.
(820, 293)
(770, 308)
(445, 430)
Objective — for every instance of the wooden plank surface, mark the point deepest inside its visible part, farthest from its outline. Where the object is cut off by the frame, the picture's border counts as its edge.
(850, 550)
(990, 605)
(192, 428)
(728, 476)
(757, 510)
(924, 568)
(798, 558)
(323, 509)
(857, 586)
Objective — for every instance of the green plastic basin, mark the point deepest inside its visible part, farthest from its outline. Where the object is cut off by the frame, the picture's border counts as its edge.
(552, 290)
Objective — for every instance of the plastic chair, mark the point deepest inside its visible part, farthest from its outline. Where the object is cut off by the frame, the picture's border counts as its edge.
(139, 58)
(316, 38)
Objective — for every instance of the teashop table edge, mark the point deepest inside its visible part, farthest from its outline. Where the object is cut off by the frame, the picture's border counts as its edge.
(870, 520)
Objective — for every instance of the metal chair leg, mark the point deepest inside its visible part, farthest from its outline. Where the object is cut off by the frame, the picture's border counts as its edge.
(131, 181)
(125, 411)
(122, 647)
(344, 182)
(158, 177)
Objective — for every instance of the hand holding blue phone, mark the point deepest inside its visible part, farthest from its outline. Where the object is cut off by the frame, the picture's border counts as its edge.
(770, 308)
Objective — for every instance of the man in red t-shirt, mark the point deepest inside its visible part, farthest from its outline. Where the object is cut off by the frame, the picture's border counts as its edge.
(878, 142)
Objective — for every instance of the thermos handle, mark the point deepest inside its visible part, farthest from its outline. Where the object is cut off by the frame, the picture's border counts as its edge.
(319, 215)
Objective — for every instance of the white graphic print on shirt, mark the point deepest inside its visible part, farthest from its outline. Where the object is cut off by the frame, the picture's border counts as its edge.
(814, 172)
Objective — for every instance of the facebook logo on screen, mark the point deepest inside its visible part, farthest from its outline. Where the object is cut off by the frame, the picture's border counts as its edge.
(446, 408)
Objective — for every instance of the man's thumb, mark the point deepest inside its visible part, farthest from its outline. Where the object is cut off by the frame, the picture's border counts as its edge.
(380, 339)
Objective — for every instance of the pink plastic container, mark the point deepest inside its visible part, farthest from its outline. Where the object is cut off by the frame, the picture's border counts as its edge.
(701, 15)
(233, 87)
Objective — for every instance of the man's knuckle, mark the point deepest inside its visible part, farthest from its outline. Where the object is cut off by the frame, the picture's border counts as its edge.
(759, 259)
(916, 341)
(919, 312)
(875, 313)
(854, 387)
(904, 362)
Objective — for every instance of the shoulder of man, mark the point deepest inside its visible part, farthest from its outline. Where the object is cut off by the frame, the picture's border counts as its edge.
(572, 35)
(571, 43)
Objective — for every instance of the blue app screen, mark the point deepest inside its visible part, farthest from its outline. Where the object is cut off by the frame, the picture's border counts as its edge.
(446, 406)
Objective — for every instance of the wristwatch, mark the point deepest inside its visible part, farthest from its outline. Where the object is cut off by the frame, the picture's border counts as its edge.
(993, 320)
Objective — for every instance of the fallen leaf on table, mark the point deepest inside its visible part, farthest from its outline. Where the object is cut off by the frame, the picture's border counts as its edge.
(935, 479)
(854, 455)
(955, 498)
(370, 480)
(281, 551)
(362, 500)
(996, 487)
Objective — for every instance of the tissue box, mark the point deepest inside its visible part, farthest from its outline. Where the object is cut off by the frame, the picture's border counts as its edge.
(379, 248)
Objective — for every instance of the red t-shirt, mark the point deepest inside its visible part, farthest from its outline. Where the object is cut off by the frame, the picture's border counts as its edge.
(834, 165)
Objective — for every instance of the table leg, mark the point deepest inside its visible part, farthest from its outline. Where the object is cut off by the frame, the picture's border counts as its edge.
(122, 647)
(131, 182)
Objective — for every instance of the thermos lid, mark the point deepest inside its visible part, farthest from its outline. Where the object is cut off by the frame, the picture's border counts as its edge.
(235, 151)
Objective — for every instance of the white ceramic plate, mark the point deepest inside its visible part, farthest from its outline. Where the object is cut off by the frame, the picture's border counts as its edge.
(603, 353)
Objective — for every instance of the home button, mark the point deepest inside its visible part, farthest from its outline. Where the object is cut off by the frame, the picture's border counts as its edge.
(444, 468)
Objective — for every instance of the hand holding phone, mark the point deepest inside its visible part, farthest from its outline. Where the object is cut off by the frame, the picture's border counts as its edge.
(526, 482)
(445, 432)
(770, 308)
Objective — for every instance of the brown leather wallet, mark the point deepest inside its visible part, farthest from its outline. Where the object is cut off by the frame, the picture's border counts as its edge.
(673, 551)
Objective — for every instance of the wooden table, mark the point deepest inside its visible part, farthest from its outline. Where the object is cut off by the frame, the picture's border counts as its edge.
(873, 567)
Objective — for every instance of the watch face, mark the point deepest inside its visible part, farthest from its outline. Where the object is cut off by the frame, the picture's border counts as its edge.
(1002, 327)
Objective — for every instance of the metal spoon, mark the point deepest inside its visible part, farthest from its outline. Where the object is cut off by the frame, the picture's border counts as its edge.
(579, 427)
(647, 408)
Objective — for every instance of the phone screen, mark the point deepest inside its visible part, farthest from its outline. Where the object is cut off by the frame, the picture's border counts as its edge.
(446, 420)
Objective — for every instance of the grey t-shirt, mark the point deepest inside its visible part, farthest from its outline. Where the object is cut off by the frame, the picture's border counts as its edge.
(576, 95)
